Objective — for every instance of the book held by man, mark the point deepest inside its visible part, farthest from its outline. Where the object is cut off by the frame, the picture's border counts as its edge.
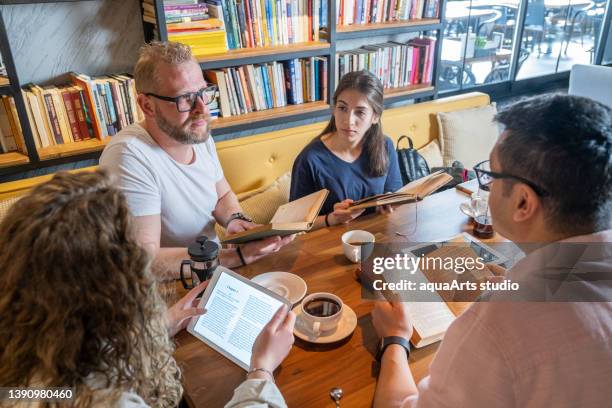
(293, 217)
(413, 191)
(439, 291)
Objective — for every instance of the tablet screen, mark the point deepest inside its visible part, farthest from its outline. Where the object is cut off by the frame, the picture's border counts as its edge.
(236, 311)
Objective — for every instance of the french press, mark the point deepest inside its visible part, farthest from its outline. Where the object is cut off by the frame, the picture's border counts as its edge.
(204, 260)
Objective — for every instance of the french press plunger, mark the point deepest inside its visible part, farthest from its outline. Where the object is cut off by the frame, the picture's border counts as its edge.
(204, 260)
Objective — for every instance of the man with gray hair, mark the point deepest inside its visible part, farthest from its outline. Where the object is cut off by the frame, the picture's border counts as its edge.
(168, 167)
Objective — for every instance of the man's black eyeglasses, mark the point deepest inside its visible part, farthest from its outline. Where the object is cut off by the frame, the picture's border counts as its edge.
(186, 102)
(485, 176)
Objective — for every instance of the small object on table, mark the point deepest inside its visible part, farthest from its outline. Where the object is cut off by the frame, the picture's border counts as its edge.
(464, 190)
(336, 395)
(483, 228)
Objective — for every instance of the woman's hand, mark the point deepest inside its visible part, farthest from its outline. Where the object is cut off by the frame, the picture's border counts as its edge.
(275, 341)
(385, 209)
(342, 213)
(179, 314)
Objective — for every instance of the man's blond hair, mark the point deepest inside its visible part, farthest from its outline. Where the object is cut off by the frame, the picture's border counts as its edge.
(149, 58)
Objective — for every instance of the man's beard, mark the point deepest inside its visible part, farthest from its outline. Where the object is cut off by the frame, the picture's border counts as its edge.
(183, 133)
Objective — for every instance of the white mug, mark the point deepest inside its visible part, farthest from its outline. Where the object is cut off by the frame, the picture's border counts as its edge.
(321, 302)
(353, 252)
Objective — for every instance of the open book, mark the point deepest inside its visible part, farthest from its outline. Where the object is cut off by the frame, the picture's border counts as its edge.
(430, 320)
(295, 216)
(432, 312)
(413, 191)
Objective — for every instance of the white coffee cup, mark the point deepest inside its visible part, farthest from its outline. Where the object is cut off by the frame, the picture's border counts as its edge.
(321, 312)
(349, 244)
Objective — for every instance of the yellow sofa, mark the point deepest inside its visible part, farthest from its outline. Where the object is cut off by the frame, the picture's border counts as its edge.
(254, 162)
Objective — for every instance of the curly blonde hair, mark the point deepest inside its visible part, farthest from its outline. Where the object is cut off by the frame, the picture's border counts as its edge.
(78, 302)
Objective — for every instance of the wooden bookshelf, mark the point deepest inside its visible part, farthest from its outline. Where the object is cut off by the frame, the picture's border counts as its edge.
(407, 91)
(71, 149)
(327, 47)
(13, 159)
(263, 54)
(415, 23)
(259, 116)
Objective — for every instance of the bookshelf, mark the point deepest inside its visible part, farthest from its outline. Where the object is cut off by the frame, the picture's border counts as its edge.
(14, 162)
(328, 45)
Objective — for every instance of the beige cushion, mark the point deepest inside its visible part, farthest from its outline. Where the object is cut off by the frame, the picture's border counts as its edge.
(261, 204)
(467, 135)
(432, 154)
(6, 204)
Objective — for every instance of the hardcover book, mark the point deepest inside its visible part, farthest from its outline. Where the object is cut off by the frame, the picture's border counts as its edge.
(413, 191)
(296, 216)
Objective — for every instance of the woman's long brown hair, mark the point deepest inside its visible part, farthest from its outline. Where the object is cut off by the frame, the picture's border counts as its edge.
(374, 144)
(79, 305)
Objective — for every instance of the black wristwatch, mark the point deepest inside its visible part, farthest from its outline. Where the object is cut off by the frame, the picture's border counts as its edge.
(239, 216)
(387, 341)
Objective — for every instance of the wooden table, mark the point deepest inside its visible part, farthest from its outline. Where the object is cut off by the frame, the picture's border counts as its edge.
(309, 372)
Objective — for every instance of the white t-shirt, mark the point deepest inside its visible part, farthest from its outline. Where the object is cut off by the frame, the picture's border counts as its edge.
(184, 195)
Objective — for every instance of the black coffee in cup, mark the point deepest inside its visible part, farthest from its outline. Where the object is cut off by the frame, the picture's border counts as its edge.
(322, 307)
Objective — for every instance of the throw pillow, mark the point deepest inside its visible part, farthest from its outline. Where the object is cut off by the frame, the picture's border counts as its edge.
(261, 204)
(467, 135)
(432, 154)
(5, 206)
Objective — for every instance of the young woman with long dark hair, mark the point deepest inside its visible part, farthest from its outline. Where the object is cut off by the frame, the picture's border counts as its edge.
(351, 157)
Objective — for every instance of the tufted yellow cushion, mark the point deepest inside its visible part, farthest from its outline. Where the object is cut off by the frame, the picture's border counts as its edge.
(6, 204)
(467, 135)
(419, 120)
(255, 161)
(432, 154)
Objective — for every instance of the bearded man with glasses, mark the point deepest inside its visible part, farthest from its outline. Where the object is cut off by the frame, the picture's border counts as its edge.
(549, 344)
(168, 168)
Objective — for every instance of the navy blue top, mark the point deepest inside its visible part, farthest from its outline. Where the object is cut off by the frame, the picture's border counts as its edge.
(316, 167)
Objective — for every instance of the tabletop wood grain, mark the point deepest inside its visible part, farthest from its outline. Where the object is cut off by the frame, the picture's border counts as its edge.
(310, 371)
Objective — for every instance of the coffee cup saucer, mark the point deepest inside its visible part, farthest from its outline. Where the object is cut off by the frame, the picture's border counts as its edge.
(288, 285)
(466, 208)
(345, 327)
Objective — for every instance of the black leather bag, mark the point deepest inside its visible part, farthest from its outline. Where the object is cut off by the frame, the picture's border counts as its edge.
(412, 165)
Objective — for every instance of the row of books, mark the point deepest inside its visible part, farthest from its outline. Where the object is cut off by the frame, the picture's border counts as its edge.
(253, 23)
(250, 88)
(192, 23)
(378, 11)
(262, 23)
(184, 12)
(397, 64)
(11, 136)
(88, 108)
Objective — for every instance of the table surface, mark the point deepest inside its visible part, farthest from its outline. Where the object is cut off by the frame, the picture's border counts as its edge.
(310, 371)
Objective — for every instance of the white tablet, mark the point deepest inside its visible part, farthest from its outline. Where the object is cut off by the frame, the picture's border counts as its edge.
(236, 311)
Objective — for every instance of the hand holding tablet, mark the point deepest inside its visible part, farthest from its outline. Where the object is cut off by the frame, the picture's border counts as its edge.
(237, 310)
(274, 342)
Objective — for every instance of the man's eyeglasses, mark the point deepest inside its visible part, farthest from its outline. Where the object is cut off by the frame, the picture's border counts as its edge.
(485, 177)
(186, 102)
